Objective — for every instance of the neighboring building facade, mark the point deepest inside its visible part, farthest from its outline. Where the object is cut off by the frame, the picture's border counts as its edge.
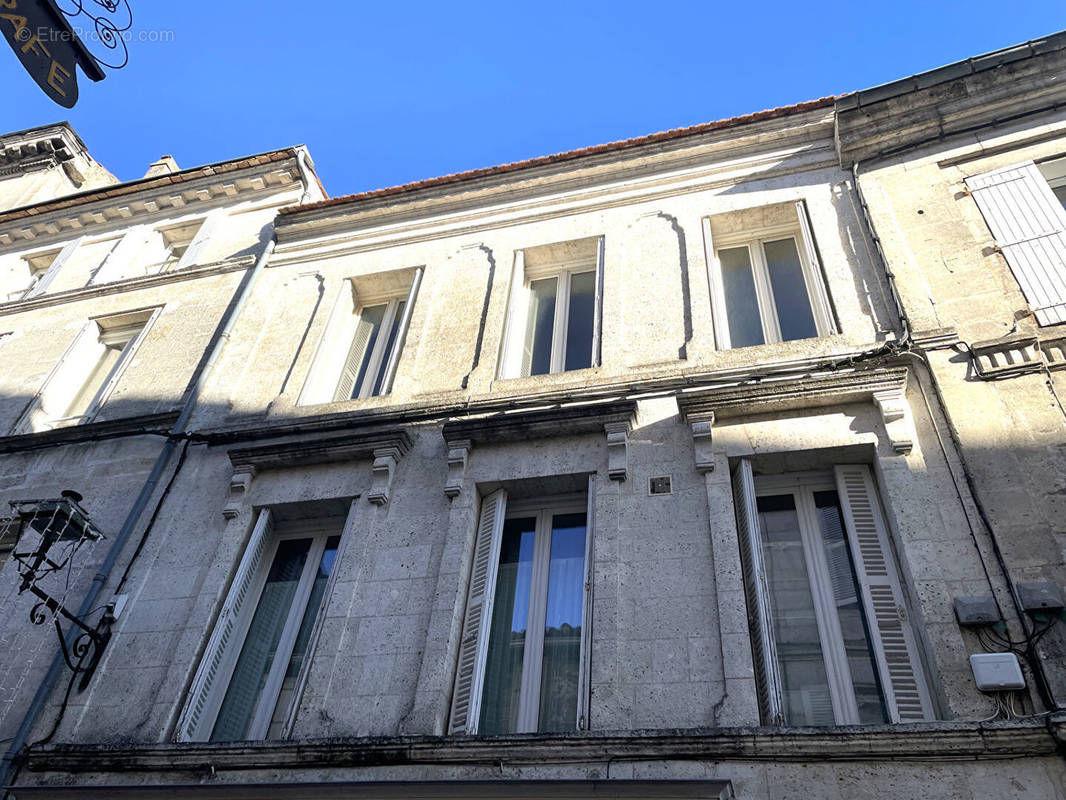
(613, 472)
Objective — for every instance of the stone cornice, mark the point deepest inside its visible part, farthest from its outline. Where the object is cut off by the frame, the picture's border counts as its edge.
(919, 742)
(156, 424)
(125, 204)
(537, 423)
(24, 151)
(128, 285)
(358, 446)
(773, 395)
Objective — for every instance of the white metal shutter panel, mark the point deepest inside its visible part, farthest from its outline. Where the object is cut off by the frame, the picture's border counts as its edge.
(1027, 222)
(211, 225)
(116, 265)
(763, 647)
(895, 650)
(50, 275)
(466, 698)
(401, 333)
(206, 691)
(346, 385)
(584, 688)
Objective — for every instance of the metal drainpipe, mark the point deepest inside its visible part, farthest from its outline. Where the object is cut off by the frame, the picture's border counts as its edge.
(176, 434)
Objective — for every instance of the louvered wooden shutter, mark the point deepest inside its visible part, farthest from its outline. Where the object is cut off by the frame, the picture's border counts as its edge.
(50, 274)
(1027, 222)
(585, 670)
(895, 650)
(211, 224)
(206, 692)
(757, 593)
(401, 333)
(597, 309)
(469, 674)
(346, 386)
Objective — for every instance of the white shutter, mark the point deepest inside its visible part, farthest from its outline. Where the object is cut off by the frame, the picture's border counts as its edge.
(50, 275)
(763, 646)
(597, 308)
(206, 692)
(350, 371)
(401, 333)
(1027, 222)
(470, 670)
(902, 679)
(64, 381)
(115, 265)
(823, 310)
(585, 671)
(514, 326)
(211, 224)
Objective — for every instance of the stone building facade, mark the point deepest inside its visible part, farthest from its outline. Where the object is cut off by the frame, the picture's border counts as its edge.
(695, 465)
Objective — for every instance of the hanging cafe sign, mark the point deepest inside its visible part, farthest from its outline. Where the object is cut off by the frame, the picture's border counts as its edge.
(50, 48)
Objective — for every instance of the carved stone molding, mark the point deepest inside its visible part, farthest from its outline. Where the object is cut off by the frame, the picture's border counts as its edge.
(896, 415)
(239, 484)
(385, 460)
(458, 459)
(702, 440)
(617, 450)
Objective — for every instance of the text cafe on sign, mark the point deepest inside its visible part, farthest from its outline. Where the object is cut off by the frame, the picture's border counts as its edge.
(48, 47)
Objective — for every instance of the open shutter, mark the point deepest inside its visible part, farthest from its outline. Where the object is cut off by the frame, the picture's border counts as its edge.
(205, 695)
(902, 680)
(466, 699)
(597, 308)
(212, 223)
(346, 385)
(50, 275)
(115, 265)
(585, 672)
(820, 302)
(757, 593)
(401, 333)
(514, 327)
(1027, 223)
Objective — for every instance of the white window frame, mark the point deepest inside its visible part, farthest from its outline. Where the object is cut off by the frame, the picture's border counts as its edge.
(37, 271)
(754, 240)
(511, 365)
(260, 724)
(466, 711)
(377, 355)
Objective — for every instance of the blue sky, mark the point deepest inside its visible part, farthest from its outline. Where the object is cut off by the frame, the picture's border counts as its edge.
(389, 93)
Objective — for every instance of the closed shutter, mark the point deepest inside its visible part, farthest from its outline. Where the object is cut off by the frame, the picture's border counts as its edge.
(466, 699)
(206, 692)
(1027, 222)
(585, 672)
(346, 386)
(50, 275)
(212, 223)
(116, 265)
(401, 333)
(902, 679)
(757, 593)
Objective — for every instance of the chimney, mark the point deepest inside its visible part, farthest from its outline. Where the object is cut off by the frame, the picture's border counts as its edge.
(164, 166)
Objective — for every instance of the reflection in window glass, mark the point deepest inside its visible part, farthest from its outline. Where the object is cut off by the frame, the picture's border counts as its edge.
(579, 320)
(1060, 193)
(742, 305)
(794, 314)
(537, 354)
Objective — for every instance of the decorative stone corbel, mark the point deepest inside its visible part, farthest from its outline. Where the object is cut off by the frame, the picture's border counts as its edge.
(458, 455)
(238, 488)
(702, 439)
(896, 415)
(385, 459)
(617, 450)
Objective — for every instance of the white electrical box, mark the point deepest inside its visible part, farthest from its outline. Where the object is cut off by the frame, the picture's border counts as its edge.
(997, 672)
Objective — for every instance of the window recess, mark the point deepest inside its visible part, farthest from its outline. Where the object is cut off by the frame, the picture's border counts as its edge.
(554, 313)
(831, 639)
(766, 277)
(364, 339)
(88, 372)
(523, 660)
(249, 679)
(1023, 208)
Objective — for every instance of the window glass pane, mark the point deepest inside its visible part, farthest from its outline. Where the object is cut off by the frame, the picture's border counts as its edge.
(98, 378)
(790, 292)
(805, 686)
(507, 633)
(579, 320)
(299, 650)
(537, 354)
(261, 642)
(372, 317)
(741, 303)
(394, 331)
(1060, 193)
(848, 601)
(562, 624)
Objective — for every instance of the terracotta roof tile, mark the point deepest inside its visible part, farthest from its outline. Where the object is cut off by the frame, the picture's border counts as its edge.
(458, 177)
